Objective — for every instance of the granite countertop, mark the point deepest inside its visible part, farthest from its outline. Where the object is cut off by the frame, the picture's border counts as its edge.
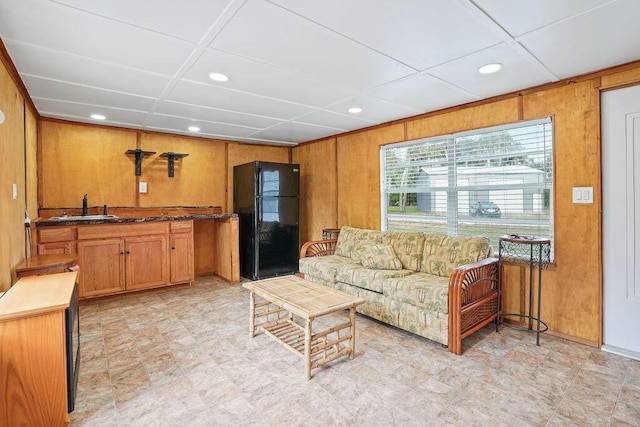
(124, 220)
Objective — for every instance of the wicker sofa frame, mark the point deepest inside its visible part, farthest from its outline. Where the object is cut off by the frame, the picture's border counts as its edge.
(472, 297)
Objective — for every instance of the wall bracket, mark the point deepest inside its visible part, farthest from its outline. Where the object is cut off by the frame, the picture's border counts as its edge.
(139, 155)
(172, 157)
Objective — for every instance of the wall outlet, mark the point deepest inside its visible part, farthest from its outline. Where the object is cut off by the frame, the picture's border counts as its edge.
(582, 194)
(142, 188)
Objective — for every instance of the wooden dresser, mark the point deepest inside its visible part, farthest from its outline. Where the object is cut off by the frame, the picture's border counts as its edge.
(33, 364)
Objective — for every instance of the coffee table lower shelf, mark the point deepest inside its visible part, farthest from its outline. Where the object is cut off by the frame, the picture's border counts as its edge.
(324, 346)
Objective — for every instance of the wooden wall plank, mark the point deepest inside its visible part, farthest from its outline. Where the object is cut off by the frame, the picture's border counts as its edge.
(358, 166)
(12, 146)
(79, 159)
(199, 179)
(319, 188)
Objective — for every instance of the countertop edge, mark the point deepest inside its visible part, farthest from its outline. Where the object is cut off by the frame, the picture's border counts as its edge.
(45, 222)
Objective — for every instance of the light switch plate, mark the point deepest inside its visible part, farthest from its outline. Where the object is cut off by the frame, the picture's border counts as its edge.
(582, 194)
(143, 187)
(14, 191)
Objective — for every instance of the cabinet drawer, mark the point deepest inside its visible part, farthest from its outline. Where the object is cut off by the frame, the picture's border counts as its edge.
(181, 226)
(50, 235)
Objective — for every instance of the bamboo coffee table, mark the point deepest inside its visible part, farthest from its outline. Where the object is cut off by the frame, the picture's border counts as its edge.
(287, 296)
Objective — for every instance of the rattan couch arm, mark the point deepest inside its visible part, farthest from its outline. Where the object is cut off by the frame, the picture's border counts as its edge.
(473, 300)
(318, 248)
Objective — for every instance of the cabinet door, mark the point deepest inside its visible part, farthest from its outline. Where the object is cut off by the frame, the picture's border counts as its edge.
(182, 257)
(101, 267)
(146, 262)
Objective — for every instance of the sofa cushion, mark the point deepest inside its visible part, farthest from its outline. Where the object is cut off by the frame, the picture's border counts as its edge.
(352, 240)
(443, 254)
(408, 246)
(323, 267)
(421, 289)
(380, 257)
(366, 278)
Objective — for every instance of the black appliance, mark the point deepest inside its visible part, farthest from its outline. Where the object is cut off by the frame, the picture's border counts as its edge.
(72, 320)
(265, 197)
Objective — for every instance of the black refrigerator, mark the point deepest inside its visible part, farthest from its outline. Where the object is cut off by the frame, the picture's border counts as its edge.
(265, 197)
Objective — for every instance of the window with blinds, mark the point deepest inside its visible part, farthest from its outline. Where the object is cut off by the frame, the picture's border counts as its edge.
(488, 182)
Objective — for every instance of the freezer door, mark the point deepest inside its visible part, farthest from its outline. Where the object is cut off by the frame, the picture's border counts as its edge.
(278, 179)
(278, 236)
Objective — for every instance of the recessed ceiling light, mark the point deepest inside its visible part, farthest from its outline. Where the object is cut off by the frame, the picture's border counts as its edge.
(489, 68)
(355, 110)
(219, 77)
(98, 117)
(194, 128)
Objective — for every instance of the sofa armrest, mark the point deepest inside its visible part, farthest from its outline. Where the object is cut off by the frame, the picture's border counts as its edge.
(473, 300)
(318, 248)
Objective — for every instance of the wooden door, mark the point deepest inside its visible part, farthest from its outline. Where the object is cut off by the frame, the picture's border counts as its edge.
(101, 267)
(621, 214)
(182, 257)
(146, 262)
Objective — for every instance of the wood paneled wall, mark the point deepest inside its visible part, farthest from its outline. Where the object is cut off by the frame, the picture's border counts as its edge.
(572, 287)
(318, 188)
(17, 128)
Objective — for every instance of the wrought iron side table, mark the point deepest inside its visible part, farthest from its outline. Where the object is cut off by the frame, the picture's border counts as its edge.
(527, 250)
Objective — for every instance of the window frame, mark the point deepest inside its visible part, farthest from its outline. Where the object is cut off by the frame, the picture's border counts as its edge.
(452, 215)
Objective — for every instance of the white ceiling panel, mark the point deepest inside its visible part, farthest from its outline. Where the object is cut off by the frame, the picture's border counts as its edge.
(161, 121)
(63, 28)
(515, 74)
(334, 120)
(522, 16)
(295, 67)
(188, 19)
(62, 66)
(263, 79)
(211, 114)
(225, 99)
(294, 132)
(273, 35)
(43, 88)
(591, 41)
(375, 110)
(78, 112)
(422, 92)
(404, 31)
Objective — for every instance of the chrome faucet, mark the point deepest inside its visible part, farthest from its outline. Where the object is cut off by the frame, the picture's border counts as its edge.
(85, 209)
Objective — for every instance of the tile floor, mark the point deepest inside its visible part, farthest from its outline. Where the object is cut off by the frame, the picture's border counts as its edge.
(182, 356)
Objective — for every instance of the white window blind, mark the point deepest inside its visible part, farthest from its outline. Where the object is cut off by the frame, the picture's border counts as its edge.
(488, 182)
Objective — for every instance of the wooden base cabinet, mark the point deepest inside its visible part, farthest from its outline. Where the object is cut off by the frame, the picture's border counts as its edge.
(181, 247)
(146, 262)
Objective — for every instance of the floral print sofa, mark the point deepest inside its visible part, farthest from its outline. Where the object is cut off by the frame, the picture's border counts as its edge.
(440, 287)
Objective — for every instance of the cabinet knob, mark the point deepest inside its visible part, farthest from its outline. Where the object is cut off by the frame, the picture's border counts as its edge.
(121, 253)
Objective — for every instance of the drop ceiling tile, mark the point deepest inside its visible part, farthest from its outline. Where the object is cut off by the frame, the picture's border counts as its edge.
(181, 124)
(295, 132)
(517, 72)
(59, 65)
(268, 33)
(225, 99)
(423, 93)
(334, 120)
(80, 113)
(43, 88)
(411, 31)
(63, 28)
(374, 110)
(195, 112)
(189, 20)
(266, 80)
(522, 16)
(589, 42)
